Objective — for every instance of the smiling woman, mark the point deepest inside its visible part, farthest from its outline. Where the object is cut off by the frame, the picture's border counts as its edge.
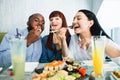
(53, 45)
(86, 25)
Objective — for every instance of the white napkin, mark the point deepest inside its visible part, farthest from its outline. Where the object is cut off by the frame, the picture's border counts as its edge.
(29, 66)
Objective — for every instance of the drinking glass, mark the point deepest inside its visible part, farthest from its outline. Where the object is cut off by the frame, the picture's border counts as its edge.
(18, 54)
(98, 46)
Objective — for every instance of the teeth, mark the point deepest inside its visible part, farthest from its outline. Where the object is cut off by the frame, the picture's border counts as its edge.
(53, 31)
(39, 27)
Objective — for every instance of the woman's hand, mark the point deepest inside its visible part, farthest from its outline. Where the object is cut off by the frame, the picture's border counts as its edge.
(62, 33)
(33, 36)
(56, 39)
(59, 37)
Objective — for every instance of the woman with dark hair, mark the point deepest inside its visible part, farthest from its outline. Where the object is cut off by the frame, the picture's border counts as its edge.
(54, 44)
(86, 25)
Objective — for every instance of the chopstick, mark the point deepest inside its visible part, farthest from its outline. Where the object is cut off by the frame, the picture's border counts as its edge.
(54, 31)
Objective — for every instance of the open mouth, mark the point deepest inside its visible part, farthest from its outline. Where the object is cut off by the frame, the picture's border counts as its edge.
(37, 27)
(76, 27)
(53, 26)
(53, 30)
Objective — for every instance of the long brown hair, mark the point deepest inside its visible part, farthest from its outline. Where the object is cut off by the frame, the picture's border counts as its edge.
(64, 24)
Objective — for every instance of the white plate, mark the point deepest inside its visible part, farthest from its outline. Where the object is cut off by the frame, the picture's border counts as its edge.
(29, 66)
(116, 78)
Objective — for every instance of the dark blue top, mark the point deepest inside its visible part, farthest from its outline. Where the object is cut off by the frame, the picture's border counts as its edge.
(50, 55)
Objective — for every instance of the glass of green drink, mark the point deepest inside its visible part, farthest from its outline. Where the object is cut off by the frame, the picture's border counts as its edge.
(18, 55)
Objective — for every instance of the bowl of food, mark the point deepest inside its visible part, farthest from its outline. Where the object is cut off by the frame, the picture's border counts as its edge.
(116, 74)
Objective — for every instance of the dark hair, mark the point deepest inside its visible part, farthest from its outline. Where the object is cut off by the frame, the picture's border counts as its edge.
(35, 14)
(96, 27)
(31, 17)
(64, 24)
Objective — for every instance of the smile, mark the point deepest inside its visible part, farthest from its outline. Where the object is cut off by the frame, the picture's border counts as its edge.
(76, 27)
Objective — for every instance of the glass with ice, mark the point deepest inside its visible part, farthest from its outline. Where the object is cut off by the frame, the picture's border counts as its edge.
(98, 47)
(18, 55)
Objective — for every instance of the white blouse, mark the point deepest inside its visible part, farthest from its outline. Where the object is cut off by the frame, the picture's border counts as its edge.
(79, 54)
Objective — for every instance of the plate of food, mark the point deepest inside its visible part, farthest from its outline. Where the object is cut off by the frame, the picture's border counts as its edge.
(116, 74)
(61, 70)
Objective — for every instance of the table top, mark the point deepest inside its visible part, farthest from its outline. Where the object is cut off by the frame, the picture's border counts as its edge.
(108, 68)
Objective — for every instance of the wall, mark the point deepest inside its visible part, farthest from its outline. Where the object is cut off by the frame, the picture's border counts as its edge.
(109, 16)
(96, 5)
(14, 13)
(109, 13)
(115, 34)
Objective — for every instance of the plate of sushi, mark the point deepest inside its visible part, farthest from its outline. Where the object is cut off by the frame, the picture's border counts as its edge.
(61, 70)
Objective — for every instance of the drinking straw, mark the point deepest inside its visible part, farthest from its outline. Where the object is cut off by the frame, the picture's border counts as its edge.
(18, 34)
(94, 38)
(101, 33)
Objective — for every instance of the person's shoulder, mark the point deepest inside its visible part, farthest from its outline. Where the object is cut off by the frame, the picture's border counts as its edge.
(10, 33)
(108, 39)
(14, 32)
(23, 31)
(111, 42)
(44, 38)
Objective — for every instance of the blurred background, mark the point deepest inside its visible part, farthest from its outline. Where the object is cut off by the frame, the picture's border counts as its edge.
(15, 13)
